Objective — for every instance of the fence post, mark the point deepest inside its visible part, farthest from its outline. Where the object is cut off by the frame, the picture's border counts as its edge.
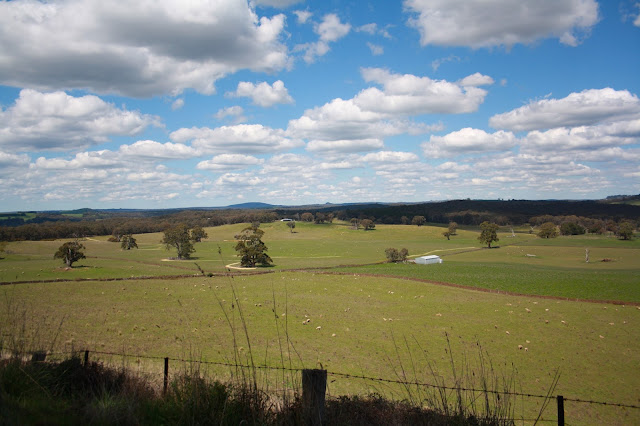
(86, 358)
(560, 400)
(166, 376)
(314, 386)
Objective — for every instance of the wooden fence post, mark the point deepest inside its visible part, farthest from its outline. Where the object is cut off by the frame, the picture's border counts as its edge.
(314, 386)
(166, 376)
(560, 400)
(86, 358)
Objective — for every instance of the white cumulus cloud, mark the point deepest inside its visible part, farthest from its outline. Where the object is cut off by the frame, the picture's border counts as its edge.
(241, 139)
(584, 108)
(263, 94)
(344, 146)
(412, 95)
(302, 15)
(156, 150)
(236, 113)
(390, 157)
(57, 121)
(329, 30)
(466, 141)
(276, 3)
(139, 49)
(478, 24)
(228, 162)
(8, 160)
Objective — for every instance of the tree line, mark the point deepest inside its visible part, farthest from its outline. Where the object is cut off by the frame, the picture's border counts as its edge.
(124, 224)
(474, 212)
(593, 216)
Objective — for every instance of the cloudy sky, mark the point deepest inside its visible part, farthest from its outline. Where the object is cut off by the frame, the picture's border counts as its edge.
(175, 103)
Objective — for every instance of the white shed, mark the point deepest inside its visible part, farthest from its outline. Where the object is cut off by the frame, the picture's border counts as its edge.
(427, 260)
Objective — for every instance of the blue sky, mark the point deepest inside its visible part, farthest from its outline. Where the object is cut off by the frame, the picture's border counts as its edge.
(168, 103)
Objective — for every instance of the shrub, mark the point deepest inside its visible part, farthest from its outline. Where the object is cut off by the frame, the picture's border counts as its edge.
(548, 230)
(571, 228)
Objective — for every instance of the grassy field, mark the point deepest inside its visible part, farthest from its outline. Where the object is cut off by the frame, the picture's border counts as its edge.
(360, 316)
(521, 264)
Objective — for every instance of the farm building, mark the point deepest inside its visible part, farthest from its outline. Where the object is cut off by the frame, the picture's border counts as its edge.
(427, 260)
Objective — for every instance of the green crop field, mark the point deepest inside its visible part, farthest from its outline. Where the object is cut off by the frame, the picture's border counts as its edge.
(370, 321)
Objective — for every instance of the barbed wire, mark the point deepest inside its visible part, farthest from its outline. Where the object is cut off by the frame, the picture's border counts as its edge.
(360, 377)
(403, 382)
(220, 363)
(613, 404)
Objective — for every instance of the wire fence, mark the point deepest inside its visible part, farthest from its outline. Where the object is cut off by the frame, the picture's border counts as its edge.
(546, 398)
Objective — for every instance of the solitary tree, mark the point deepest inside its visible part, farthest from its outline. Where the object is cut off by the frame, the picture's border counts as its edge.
(625, 230)
(418, 220)
(489, 233)
(355, 223)
(291, 225)
(367, 224)
(453, 228)
(127, 242)
(447, 235)
(548, 230)
(250, 247)
(197, 234)
(394, 256)
(70, 252)
(178, 237)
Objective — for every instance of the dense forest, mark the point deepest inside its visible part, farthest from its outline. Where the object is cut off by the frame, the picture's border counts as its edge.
(502, 212)
(594, 216)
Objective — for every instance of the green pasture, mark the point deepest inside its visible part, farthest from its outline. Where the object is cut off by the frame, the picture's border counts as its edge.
(595, 345)
(360, 325)
(24, 216)
(522, 263)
